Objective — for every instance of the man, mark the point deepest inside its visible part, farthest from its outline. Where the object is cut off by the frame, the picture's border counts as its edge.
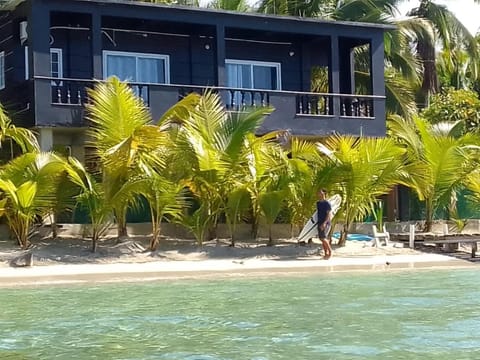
(324, 212)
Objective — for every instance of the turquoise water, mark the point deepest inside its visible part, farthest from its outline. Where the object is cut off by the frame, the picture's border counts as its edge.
(391, 315)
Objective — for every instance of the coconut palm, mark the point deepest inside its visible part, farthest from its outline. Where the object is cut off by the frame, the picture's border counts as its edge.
(28, 189)
(438, 160)
(450, 32)
(472, 183)
(209, 143)
(90, 197)
(361, 170)
(165, 199)
(236, 207)
(173, 2)
(266, 178)
(303, 165)
(24, 138)
(125, 141)
(233, 5)
(457, 69)
(403, 68)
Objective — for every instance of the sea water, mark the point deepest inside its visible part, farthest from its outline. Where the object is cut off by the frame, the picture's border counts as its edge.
(390, 315)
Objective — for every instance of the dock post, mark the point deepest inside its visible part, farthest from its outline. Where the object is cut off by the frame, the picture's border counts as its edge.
(445, 229)
(411, 237)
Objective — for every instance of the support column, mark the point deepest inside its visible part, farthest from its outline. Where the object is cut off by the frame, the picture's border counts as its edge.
(96, 43)
(220, 55)
(347, 68)
(45, 139)
(39, 31)
(334, 70)
(39, 39)
(306, 65)
(378, 81)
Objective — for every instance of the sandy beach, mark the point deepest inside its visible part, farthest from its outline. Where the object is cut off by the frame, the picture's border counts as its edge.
(70, 260)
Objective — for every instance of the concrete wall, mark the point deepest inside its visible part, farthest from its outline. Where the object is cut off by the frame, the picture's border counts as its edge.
(169, 230)
(279, 231)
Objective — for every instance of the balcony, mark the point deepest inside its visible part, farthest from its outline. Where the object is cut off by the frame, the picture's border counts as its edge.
(60, 103)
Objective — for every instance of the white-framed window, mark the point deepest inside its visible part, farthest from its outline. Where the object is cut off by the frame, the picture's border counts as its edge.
(2, 70)
(137, 67)
(259, 75)
(56, 65)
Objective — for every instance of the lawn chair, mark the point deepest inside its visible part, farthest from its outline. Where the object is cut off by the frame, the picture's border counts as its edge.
(378, 237)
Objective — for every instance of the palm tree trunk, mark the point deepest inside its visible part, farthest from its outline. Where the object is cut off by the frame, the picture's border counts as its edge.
(428, 215)
(54, 225)
(270, 237)
(155, 237)
(232, 233)
(343, 235)
(24, 236)
(255, 224)
(154, 242)
(121, 224)
(94, 241)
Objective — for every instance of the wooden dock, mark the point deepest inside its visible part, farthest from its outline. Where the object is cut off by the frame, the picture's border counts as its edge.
(441, 239)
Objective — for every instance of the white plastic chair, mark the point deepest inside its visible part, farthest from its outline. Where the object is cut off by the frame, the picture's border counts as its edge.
(378, 237)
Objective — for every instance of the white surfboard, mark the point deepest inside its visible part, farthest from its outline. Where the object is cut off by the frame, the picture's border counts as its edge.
(310, 229)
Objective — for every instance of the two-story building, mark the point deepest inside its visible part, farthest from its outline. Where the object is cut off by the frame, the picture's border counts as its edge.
(51, 51)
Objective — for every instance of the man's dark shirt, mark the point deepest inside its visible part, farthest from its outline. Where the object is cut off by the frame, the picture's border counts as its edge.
(323, 207)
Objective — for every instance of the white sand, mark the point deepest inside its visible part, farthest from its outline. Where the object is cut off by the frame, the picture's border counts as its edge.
(71, 261)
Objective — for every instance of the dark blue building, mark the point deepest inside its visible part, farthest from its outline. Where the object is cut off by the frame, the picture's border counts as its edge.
(52, 50)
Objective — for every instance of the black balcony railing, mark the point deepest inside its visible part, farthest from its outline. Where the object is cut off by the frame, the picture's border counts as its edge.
(67, 92)
(360, 106)
(234, 99)
(75, 92)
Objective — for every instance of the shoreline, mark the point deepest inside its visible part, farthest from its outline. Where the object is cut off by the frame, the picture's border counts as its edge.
(70, 260)
(64, 274)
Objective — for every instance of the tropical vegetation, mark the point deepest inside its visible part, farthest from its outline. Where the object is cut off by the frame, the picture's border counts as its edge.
(200, 165)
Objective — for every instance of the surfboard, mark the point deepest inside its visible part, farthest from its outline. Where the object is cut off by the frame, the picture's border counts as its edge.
(310, 229)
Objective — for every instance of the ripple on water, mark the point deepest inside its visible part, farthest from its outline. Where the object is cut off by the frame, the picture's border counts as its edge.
(427, 315)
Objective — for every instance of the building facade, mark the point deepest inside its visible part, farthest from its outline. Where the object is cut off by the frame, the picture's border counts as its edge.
(51, 51)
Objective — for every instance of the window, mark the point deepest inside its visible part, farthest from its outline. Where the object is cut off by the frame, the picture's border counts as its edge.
(257, 75)
(2, 70)
(137, 67)
(253, 75)
(56, 65)
(133, 67)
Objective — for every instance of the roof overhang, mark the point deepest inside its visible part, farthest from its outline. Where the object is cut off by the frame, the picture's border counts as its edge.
(8, 5)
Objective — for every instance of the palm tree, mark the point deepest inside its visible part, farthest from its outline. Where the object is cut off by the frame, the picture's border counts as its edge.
(166, 199)
(24, 138)
(403, 68)
(91, 198)
(361, 170)
(232, 5)
(457, 69)
(173, 2)
(450, 32)
(209, 143)
(304, 164)
(125, 141)
(266, 178)
(473, 185)
(438, 160)
(28, 189)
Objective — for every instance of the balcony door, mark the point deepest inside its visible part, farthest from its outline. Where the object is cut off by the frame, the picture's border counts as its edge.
(252, 75)
(137, 68)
